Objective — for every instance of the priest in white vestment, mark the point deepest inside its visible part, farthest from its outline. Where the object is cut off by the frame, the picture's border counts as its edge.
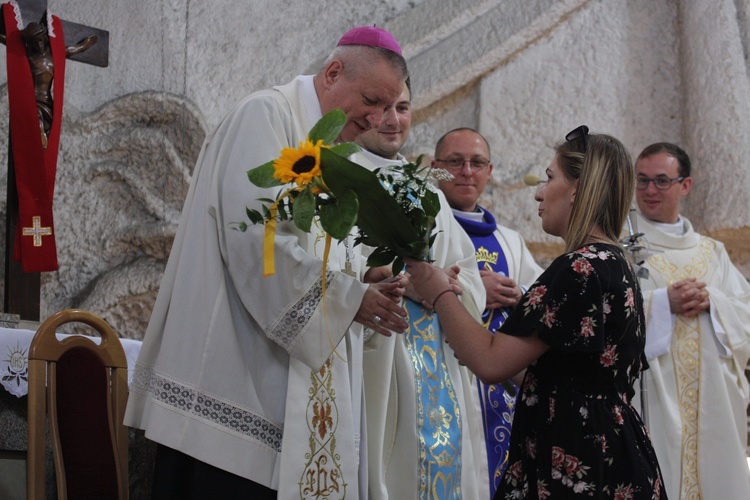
(424, 437)
(262, 376)
(697, 340)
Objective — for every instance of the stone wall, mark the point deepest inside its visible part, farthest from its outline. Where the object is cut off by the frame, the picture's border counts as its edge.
(523, 72)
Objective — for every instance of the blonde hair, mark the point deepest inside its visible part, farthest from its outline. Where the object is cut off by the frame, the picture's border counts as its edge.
(606, 184)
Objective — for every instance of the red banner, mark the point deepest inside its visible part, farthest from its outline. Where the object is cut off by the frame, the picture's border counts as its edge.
(35, 166)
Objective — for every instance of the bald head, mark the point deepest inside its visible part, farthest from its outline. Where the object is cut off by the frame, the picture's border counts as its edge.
(466, 154)
(464, 131)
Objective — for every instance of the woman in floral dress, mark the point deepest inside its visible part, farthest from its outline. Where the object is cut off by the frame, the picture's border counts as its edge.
(579, 331)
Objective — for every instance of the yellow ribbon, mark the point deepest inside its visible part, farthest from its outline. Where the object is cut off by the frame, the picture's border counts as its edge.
(269, 260)
(323, 285)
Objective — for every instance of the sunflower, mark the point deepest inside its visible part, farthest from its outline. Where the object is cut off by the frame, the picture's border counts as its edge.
(300, 165)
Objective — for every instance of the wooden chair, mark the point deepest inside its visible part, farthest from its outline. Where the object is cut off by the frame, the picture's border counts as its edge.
(81, 388)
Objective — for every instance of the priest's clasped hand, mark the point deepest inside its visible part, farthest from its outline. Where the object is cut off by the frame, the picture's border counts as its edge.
(380, 309)
(502, 291)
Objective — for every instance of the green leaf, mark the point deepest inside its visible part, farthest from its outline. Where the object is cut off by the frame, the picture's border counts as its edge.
(431, 203)
(346, 149)
(329, 127)
(262, 176)
(254, 216)
(338, 218)
(380, 257)
(397, 266)
(303, 209)
(380, 216)
(365, 240)
(266, 213)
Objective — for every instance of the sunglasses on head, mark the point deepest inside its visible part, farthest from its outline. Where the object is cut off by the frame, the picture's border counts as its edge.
(578, 134)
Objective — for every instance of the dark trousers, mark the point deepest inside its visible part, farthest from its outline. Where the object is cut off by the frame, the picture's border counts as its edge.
(181, 477)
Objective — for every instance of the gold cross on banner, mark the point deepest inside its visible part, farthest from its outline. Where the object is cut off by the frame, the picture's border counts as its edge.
(37, 231)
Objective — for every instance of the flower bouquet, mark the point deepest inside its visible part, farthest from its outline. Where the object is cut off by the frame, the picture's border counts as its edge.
(394, 209)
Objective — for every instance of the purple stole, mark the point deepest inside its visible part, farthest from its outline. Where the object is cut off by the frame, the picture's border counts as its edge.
(498, 404)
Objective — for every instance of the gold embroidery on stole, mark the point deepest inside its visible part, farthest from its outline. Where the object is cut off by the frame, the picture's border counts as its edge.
(322, 476)
(686, 356)
(439, 421)
(686, 353)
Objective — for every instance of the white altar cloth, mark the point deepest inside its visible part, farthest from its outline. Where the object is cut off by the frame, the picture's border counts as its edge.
(14, 361)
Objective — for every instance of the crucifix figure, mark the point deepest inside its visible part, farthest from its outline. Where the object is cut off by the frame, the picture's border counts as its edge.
(39, 54)
(36, 53)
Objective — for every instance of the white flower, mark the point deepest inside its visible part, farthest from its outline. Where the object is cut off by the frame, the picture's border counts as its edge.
(440, 174)
(580, 487)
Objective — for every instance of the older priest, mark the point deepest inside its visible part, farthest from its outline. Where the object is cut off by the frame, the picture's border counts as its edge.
(237, 379)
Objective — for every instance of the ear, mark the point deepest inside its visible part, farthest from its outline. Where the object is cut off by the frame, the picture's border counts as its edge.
(333, 72)
(685, 186)
(573, 192)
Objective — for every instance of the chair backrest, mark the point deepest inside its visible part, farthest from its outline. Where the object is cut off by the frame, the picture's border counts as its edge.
(81, 389)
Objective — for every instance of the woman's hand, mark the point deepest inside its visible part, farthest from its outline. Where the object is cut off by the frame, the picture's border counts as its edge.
(451, 272)
(428, 280)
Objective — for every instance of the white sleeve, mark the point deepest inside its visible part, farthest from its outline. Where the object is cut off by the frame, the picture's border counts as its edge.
(659, 325)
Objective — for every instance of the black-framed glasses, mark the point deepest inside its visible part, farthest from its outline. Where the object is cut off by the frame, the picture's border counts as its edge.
(662, 183)
(457, 164)
(578, 134)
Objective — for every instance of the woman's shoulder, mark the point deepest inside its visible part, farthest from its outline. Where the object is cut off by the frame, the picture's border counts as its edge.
(604, 264)
(588, 257)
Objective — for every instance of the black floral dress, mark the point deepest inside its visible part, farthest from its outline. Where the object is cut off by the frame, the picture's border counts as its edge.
(575, 433)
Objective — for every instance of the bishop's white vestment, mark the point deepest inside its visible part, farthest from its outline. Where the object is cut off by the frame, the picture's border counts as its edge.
(424, 435)
(239, 370)
(696, 389)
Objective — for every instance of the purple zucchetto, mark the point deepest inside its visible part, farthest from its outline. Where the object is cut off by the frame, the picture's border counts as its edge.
(371, 36)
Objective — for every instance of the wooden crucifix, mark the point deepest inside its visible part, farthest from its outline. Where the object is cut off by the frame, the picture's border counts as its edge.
(81, 43)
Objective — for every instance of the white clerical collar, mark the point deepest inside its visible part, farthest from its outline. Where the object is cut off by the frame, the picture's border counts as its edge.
(379, 161)
(477, 216)
(310, 98)
(671, 228)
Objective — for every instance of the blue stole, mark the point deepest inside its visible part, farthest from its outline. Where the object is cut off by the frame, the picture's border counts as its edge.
(439, 422)
(498, 404)
(438, 413)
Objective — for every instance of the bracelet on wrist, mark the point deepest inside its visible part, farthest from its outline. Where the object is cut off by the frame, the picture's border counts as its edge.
(437, 297)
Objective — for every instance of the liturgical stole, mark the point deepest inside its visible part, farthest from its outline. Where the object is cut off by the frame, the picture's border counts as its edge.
(35, 167)
(489, 255)
(497, 403)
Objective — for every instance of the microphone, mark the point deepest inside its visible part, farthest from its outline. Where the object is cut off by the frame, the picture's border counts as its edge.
(532, 180)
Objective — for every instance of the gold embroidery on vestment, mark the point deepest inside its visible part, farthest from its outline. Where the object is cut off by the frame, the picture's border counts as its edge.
(37, 231)
(322, 476)
(438, 412)
(483, 255)
(686, 355)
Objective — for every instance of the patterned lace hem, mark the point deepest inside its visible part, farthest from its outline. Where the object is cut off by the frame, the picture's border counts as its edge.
(200, 406)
